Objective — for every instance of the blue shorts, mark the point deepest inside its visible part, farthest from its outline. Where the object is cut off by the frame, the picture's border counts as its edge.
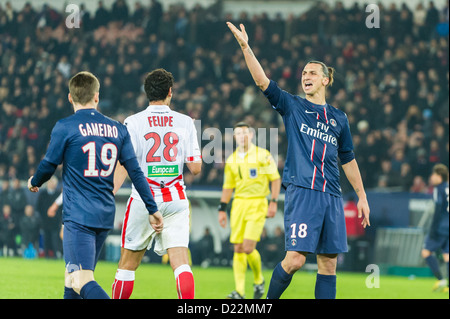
(314, 222)
(82, 246)
(437, 243)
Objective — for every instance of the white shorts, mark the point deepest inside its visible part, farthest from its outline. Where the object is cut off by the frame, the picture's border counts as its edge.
(138, 234)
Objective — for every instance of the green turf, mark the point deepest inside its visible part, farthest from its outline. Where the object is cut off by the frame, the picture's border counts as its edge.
(43, 279)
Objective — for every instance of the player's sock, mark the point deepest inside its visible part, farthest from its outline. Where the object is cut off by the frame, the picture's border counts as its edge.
(123, 284)
(92, 290)
(433, 263)
(69, 293)
(185, 282)
(254, 261)
(325, 287)
(279, 282)
(239, 270)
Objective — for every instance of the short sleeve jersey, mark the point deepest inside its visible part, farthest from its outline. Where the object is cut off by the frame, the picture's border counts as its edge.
(249, 174)
(317, 135)
(164, 140)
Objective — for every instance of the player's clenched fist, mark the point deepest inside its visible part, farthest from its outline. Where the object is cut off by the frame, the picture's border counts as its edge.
(32, 188)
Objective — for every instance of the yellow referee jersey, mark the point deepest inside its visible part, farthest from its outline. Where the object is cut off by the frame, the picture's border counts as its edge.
(249, 174)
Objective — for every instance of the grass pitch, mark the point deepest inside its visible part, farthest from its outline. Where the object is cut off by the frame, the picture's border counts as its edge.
(44, 279)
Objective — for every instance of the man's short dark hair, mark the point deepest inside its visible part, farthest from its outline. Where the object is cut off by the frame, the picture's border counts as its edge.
(157, 84)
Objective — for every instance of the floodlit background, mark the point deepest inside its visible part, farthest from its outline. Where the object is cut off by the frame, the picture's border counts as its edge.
(391, 81)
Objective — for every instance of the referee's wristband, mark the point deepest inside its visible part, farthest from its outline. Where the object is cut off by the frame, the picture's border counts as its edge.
(222, 207)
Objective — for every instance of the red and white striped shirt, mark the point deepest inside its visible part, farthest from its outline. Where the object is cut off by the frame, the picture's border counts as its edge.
(163, 141)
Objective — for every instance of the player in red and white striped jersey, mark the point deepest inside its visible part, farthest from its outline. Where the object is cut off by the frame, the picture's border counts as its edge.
(164, 140)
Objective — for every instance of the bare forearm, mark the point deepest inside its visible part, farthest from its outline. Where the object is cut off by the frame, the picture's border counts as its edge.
(275, 187)
(194, 167)
(253, 64)
(255, 68)
(120, 174)
(353, 175)
(226, 195)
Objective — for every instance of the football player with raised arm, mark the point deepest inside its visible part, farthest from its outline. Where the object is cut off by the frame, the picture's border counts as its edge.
(89, 144)
(164, 140)
(318, 135)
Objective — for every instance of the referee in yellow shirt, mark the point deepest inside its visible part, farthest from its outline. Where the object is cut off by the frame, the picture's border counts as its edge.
(248, 171)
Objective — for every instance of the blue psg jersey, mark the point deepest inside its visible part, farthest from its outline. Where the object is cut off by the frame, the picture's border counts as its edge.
(88, 144)
(440, 223)
(317, 135)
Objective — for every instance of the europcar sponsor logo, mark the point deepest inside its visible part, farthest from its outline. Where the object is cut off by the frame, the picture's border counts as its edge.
(162, 170)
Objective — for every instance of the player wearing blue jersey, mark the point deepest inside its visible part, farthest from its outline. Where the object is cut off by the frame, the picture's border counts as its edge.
(89, 144)
(437, 239)
(318, 135)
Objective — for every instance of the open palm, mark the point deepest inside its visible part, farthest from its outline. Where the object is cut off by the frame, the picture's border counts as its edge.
(240, 35)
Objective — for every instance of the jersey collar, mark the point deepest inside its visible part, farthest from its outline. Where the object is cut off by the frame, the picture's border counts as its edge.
(87, 110)
(158, 108)
(317, 106)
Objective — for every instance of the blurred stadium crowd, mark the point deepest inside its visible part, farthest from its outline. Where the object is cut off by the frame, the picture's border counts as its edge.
(392, 82)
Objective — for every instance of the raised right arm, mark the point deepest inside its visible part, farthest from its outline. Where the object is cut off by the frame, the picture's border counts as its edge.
(255, 68)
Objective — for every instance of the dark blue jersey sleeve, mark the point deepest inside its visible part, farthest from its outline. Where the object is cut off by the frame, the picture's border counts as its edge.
(56, 147)
(345, 151)
(43, 173)
(127, 151)
(274, 94)
(53, 157)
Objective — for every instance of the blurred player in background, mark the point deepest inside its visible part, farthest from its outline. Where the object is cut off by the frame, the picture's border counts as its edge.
(437, 238)
(89, 144)
(318, 134)
(163, 141)
(51, 222)
(53, 209)
(248, 171)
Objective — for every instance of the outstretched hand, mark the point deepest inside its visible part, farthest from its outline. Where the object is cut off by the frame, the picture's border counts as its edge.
(255, 68)
(240, 35)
